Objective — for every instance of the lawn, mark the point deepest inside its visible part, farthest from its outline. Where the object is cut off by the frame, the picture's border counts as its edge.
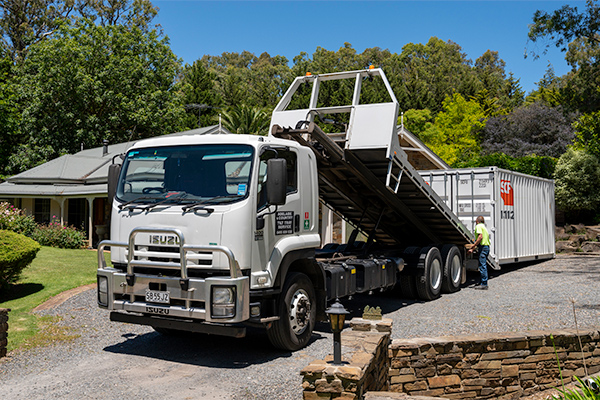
(53, 271)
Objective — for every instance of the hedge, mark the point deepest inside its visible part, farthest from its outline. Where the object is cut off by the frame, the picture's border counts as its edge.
(16, 253)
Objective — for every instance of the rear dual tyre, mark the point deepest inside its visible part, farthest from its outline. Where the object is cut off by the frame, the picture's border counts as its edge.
(452, 268)
(429, 285)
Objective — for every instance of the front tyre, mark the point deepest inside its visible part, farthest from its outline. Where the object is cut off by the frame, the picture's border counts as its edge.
(296, 311)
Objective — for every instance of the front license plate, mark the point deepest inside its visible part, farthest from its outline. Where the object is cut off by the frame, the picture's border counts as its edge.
(155, 296)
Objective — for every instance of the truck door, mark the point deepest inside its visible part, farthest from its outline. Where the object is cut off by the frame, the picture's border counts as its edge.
(281, 221)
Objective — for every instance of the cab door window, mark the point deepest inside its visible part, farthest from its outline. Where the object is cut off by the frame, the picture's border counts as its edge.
(292, 174)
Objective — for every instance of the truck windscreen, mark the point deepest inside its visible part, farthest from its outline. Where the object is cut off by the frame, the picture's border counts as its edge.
(210, 174)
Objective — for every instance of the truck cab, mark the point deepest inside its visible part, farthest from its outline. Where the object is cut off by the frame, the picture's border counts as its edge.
(202, 229)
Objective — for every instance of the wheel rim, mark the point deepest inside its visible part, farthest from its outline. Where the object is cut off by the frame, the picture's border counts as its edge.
(435, 277)
(299, 311)
(455, 269)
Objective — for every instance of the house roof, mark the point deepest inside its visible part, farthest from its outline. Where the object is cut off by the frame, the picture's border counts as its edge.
(419, 155)
(86, 172)
(82, 173)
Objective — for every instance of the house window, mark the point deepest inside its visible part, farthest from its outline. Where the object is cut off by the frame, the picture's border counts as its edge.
(77, 213)
(41, 211)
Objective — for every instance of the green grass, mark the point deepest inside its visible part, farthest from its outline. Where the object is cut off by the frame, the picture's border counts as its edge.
(53, 271)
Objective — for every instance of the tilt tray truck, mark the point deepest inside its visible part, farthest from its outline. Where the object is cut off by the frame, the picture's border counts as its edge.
(214, 233)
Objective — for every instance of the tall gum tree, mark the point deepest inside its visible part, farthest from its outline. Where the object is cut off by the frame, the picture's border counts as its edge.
(89, 83)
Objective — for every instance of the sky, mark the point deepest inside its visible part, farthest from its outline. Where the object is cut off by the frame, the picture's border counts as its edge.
(287, 28)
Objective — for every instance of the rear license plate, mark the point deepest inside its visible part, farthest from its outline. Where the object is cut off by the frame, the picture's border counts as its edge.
(155, 296)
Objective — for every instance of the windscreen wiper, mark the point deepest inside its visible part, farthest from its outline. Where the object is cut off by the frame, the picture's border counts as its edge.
(181, 195)
(200, 204)
(167, 199)
(122, 206)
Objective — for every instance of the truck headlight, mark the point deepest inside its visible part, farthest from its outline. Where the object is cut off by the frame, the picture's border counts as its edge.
(103, 291)
(223, 302)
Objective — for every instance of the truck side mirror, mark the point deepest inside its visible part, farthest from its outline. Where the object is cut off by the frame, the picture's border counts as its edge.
(276, 181)
(114, 170)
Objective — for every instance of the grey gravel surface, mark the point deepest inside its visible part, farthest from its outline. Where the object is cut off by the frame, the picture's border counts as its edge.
(116, 361)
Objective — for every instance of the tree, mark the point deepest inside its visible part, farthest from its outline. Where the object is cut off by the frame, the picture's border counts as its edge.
(577, 34)
(26, 22)
(243, 78)
(10, 115)
(512, 95)
(88, 83)
(587, 133)
(566, 24)
(246, 120)
(455, 133)
(138, 13)
(423, 75)
(199, 95)
(577, 185)
(498, 94)
(489, 68)
(548, 89)
(417, 121)
(532, 129)
(542, 166)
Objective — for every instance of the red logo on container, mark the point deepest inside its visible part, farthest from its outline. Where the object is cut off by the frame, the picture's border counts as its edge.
(506, 191)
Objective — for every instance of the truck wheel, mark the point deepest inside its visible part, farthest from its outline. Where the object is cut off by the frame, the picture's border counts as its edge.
(296, 310)
(429, 285)
(452, 268)
(408, 286)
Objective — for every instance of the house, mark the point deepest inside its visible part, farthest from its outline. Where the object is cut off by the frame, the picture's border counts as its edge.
(72, 189)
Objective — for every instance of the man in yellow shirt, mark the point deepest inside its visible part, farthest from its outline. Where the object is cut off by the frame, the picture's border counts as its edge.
(483, 242)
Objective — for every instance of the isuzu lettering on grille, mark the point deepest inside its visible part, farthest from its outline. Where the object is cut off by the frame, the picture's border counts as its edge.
(164, 239)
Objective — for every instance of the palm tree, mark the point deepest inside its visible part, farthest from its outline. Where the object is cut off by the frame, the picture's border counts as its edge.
(246, 120)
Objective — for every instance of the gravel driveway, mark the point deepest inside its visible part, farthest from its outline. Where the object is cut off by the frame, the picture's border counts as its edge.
(122, 361)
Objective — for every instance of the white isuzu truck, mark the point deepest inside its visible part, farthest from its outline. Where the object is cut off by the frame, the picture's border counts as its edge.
(215, 233)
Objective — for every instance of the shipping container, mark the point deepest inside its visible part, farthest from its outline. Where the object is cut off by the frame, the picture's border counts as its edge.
(518, 209)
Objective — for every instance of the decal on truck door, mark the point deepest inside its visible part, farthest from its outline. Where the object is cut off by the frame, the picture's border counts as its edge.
(284, 222)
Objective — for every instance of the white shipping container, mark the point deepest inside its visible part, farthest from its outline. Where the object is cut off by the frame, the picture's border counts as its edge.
(518, 209)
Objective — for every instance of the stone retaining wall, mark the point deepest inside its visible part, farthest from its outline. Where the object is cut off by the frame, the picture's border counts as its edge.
(3, 330)
(505, 366)
(365, 364)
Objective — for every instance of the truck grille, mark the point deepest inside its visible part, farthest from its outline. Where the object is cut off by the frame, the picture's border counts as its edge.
(198, 262)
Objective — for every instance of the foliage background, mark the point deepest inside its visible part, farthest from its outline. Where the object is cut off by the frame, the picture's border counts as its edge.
(76, 72)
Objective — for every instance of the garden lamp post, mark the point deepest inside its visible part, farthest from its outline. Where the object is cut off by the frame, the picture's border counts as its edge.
(337, 315)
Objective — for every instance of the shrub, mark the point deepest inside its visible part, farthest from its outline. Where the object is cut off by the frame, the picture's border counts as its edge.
(65, 237)
(585, 391)
(13, 219)
(541, 166)
(16, 252)
(578, 181)
(531, 129)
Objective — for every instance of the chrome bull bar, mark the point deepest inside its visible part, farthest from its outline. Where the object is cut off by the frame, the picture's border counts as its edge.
(234, 268)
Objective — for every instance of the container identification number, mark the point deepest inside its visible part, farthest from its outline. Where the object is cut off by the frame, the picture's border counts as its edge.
(507, 215)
